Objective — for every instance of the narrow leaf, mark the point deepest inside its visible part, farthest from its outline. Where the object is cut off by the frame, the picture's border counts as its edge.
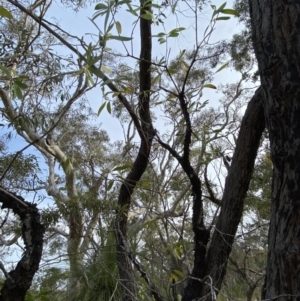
(222, 67)
(122, 167)
(119, 38)
(110, 184)
(222, 18)
(101, 108)
(108, 107)
(119, 27)
(229, 11)
(211, 86)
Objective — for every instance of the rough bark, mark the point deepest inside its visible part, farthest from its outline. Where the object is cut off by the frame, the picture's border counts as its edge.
(276, 39)
(236, 186)
(146, 133)
(18, 281)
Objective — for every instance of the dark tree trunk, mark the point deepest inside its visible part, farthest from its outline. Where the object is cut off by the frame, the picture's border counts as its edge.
(146, 133)
(236, 186)
(276, 39)
(18, 281)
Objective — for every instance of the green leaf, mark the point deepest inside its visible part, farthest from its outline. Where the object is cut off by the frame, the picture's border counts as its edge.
(5, 70)
(5, 13)
(101, 108)
(222, 18)
(89, 77)
(222, 67)
(108, 107)
(147, 15)
(211, 86)
(172, 71)
(222, 7)
(110, 185)
(161, 40)
(119, 38)
(17, 92)
(20, 84)
(173, 34)
(100, 6)
(122, 167)
(182, 52)
(229, 11)
(119, 27)
(195, 135)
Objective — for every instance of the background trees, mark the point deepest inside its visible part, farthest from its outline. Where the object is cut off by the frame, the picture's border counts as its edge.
(154, 214)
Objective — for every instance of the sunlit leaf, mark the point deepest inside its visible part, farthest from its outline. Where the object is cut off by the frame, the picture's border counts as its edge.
(122, 167)
(222, 67)
(211, 86)
(229, 11)
(119, 27)
(105, 69)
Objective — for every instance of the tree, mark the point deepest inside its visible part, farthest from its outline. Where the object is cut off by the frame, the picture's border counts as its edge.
(276, 34)
(166, 175)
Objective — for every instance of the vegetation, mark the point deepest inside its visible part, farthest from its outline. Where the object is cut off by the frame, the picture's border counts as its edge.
(176, 204)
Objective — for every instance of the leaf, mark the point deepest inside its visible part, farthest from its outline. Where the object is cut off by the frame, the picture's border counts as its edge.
(17, 92)
(105, 69)
(5, 13)
(196, 136)
(222, 67)
(5, 70)
(100, 6)
(156, 79)
(211, 86)
(110, 185)
(20, 84)
(182, 52)
(222, 18)
(173, 34)
(147, 15)
(122, 167)
(178, 273)
(108, 107)
(119, 27)
(161, 40)
(101, 108)
(229, 11)
(89, 77)
(172, 71)
(222, 7)
(119, 38)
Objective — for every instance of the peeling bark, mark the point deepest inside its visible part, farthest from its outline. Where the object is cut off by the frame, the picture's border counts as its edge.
(276, 40)
(19, 280)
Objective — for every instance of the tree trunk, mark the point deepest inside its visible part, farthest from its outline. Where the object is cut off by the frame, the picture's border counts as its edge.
(276, 39)
(19, 280)
(236, 186)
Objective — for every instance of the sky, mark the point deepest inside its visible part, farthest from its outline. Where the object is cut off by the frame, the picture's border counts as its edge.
(79, 24)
